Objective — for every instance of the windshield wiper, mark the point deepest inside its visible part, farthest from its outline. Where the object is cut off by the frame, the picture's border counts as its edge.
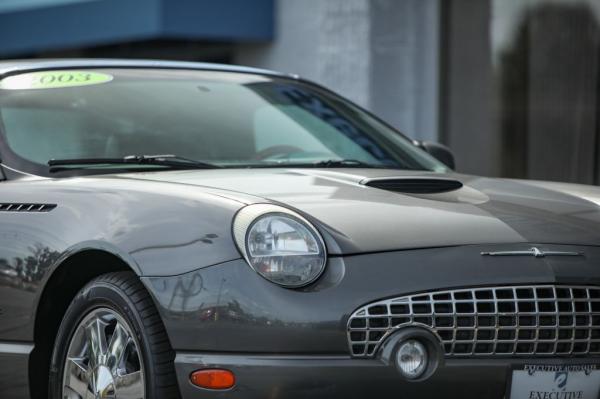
(170, 161)
(345, 163)
(328, 163)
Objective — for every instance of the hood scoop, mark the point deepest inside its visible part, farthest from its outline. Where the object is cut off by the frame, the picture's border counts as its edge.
(413, 185)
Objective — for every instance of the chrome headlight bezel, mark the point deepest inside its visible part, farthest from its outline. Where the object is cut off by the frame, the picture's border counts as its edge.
(248, 216)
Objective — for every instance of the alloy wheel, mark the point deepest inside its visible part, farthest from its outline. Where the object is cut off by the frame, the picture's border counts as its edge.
(103, 360)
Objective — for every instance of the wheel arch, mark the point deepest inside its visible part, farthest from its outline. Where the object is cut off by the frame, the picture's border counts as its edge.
(71, 273)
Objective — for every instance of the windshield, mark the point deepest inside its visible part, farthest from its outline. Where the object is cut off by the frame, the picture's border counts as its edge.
(220, 118)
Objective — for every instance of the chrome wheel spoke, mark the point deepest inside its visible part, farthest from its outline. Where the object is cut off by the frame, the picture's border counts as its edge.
(69, 393)
(117, 347)
(130, 386)
(96, 339)
(77, 377)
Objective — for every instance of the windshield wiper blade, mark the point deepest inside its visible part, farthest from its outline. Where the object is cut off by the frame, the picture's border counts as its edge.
(346, 163)
(328, 163)
(168, 159)
(171, 161)
(335, 163)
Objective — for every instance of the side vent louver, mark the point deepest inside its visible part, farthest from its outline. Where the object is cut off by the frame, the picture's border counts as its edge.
(17, 207)
(416, 185)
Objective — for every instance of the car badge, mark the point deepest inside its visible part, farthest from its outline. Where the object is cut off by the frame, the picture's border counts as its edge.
(536, 252)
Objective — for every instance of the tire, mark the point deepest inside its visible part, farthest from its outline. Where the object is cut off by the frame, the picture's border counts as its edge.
(112, 340)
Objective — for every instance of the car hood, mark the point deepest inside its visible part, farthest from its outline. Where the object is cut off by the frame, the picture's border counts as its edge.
(357, 218)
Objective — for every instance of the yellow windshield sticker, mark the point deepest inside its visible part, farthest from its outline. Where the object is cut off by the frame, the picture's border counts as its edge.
(53, 80)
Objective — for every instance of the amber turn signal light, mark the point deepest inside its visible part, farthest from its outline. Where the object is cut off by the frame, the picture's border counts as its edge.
(213, 379)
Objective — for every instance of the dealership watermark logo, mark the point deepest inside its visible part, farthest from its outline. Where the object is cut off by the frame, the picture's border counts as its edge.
(560, 368)
(561, 378)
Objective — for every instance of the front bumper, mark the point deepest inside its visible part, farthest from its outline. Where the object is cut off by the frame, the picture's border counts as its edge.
(223, 315)
(332, 377)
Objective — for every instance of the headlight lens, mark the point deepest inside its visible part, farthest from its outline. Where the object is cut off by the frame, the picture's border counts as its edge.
(280, 245)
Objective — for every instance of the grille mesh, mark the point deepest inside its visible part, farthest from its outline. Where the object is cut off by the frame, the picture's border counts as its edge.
(542, 320)
(18, 207)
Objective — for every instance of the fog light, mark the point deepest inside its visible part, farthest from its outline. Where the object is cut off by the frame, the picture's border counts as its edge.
(412, 359)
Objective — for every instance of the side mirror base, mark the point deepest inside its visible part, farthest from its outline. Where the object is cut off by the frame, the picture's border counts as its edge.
(439, 152)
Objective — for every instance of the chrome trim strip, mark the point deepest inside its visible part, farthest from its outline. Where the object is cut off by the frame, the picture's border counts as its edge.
(536, 252)
(15, 349)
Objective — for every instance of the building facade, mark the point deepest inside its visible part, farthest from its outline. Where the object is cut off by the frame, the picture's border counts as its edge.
(510, 85)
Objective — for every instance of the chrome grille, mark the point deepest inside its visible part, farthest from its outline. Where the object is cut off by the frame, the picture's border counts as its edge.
(541, 320)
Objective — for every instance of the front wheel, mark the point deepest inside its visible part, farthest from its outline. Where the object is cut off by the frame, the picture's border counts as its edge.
(112, 344)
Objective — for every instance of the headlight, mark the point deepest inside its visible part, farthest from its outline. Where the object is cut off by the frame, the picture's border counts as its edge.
(280, 245)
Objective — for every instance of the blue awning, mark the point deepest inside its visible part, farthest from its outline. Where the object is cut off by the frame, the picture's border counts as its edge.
(29, 26)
